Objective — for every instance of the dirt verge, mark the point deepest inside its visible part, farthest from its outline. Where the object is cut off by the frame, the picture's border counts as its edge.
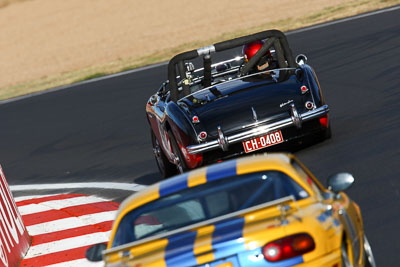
(47, 43)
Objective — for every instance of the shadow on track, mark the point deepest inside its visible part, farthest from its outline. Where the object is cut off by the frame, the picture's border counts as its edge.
(149, 179)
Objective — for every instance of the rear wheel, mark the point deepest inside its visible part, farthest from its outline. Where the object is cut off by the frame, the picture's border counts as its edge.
(369, 256)
(166, 168)
(179, 160)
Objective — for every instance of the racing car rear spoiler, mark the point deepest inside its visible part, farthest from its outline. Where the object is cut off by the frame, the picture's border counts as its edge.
(275, 38)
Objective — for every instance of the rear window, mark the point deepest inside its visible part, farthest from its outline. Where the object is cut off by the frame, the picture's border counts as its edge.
(205, 202)
(307, 178)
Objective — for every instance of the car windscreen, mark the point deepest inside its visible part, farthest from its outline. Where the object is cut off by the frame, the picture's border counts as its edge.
(204, 202)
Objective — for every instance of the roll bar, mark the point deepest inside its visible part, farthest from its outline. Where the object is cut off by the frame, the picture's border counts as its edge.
(275, 38)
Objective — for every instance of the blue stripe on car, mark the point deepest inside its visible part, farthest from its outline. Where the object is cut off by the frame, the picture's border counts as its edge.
(180, 250)
(322, 217)
(336, 222)
(173, 185)
(221, 170)
(325, 215)
(226, 238)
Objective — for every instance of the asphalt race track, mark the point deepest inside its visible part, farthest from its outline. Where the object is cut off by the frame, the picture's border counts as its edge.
(97, 131)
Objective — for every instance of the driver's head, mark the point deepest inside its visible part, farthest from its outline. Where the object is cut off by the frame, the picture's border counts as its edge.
(250, 49)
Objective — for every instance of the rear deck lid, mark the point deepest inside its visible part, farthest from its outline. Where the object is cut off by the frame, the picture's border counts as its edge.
(238, 103)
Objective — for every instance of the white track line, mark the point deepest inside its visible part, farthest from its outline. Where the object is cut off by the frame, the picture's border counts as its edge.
(75, 263)
(69, 223)
(67, 243)
(22, 198)
(120, 186)
(32, 208)
(165, 63)
(58, 204)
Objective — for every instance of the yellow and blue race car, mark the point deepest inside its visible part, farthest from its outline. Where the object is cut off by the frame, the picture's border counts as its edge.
(265, 210)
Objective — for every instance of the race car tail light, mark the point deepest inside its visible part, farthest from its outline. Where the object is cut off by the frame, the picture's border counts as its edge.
(304, 89)
(324, 121)
(288, 247)
(202, 136)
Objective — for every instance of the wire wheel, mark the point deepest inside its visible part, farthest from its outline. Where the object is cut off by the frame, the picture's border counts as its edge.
(166, 168)
(179, 161)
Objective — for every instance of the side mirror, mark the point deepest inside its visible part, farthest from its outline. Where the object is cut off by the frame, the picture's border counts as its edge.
(94, 253)
(301, 59)
(153, 99)
(340, 182)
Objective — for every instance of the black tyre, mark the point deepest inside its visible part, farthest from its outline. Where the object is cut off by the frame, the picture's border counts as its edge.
(327, 133)
(165, 167)
(179, 161)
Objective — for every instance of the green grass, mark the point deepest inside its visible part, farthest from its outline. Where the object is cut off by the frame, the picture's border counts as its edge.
(91, 76)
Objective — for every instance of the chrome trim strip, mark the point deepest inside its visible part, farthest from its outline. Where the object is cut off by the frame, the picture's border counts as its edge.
(255, 118)
(222, 141)
(238, 58)
(296, 118)
(258, 131)
(263, 121)
(238, 78)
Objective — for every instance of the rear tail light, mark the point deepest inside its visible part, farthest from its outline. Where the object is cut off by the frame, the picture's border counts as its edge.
(288, 247)
(195, 120)
(192, 161)
(324, 121)
(304, 89)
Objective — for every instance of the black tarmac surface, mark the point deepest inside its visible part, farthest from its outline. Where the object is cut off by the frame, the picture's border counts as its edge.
(97, 132)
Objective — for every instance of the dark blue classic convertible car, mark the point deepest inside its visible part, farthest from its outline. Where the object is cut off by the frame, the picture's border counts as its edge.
(258, 97)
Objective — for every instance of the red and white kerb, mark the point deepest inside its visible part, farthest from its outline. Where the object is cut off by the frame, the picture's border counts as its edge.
(63, 226)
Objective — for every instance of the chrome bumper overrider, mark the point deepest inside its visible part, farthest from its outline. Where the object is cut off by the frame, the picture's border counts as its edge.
(223, 141)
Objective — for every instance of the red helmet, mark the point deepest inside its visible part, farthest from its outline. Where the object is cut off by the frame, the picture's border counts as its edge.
(249, 50)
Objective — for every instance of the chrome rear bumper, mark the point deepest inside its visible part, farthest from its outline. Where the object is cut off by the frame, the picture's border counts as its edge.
(223, 141)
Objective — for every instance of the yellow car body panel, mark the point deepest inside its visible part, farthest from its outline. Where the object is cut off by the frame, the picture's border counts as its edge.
(314, 215)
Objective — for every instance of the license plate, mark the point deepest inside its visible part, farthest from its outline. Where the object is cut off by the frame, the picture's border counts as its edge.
(263, 141)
